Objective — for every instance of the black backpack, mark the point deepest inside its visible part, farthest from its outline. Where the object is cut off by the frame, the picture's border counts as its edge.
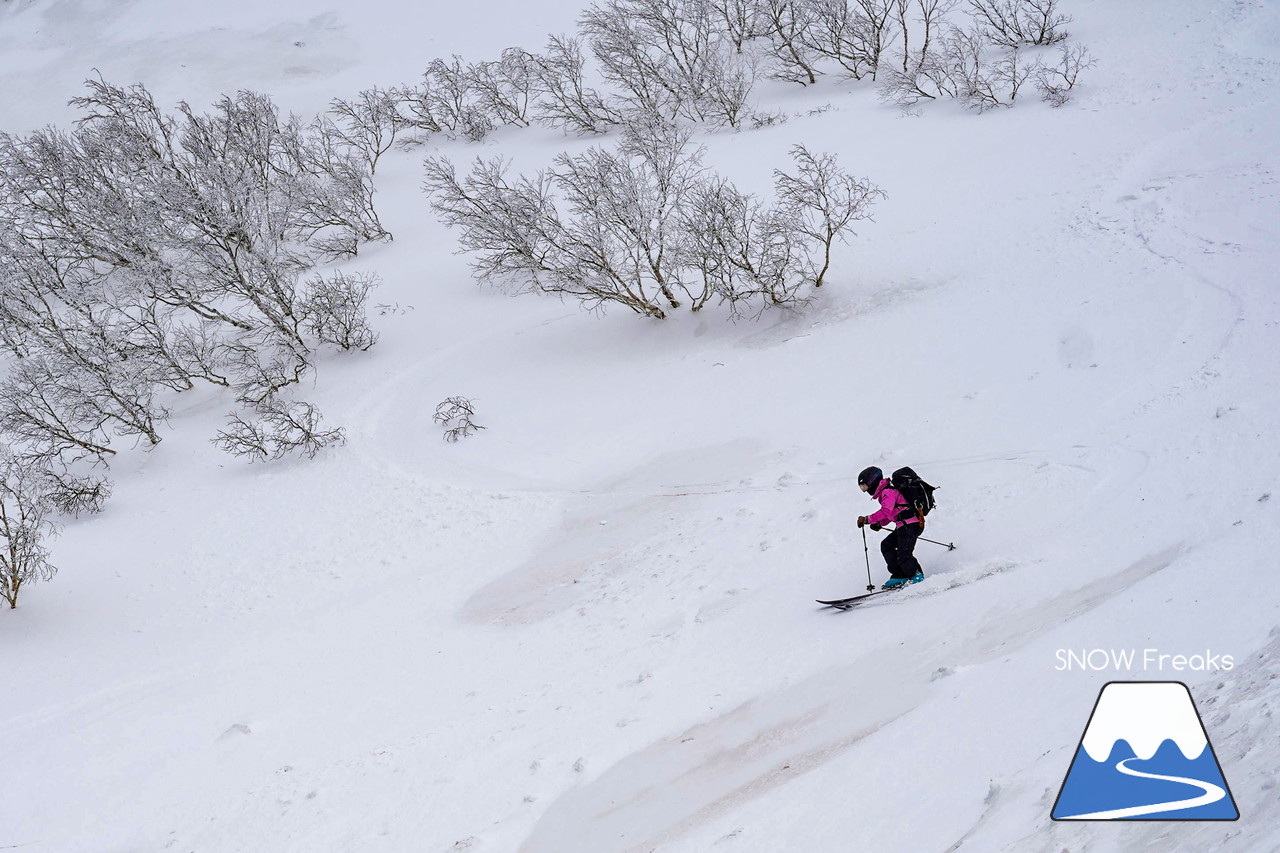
(916, 492)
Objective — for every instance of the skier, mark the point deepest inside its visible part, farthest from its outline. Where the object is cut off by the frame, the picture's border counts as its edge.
(897, 547)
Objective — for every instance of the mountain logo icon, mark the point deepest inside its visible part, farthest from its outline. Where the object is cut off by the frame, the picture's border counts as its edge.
(1145, 755)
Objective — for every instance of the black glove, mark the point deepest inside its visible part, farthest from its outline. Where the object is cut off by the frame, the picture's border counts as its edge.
(876, 527)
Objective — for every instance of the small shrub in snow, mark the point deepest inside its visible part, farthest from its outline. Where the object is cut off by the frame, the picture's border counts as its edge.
(70, 494)
(770, 119)
(280, 428)
(1055, 82)
(334, 309)
(456, 415)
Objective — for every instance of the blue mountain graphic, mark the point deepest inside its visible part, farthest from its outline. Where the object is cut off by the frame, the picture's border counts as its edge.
(1099, 786)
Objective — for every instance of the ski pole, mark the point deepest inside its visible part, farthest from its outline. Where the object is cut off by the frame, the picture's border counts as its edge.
(870, 586)
(950, 546)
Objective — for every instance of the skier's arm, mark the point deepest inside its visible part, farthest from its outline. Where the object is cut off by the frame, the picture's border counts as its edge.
(889, 503)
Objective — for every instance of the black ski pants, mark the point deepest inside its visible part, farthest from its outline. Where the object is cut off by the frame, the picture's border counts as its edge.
(897, 548)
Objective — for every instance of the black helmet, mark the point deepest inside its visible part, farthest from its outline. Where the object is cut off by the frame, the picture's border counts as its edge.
(870, 477)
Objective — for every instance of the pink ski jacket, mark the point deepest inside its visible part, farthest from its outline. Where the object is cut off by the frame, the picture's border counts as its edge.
(891, 503)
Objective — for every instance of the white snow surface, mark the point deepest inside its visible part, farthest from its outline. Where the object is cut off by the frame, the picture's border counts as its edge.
(1145, 714)
(590, 628)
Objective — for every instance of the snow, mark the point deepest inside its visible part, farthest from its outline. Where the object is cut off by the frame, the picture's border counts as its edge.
(590, 627)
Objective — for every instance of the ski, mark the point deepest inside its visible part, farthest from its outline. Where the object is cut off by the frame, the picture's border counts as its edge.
(846, 603)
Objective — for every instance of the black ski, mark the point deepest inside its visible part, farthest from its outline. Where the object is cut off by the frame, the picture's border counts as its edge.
(846, 603)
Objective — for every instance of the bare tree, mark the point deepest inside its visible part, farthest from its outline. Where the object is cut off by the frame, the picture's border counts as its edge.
(1043, 23)
(448, 100)
(262, 365)
(437, 102)
(947, 71)
(876, 31)
(737, 251)
(822, 201)
(71, 494)
(927, 18)
(670, 59)
(611, 246)
(1015, 23)
(367, 124)
(510, 226)
(856, 35)
(34, 409)
(563, 99)
(789, 25)
(338, 215)
(279, 429)
(79, 372)
(24, 524)
(964, 66)
(742, 20)
(506, 89)
(142, 252)
(998, 84)
(648, 228)
(724, 97)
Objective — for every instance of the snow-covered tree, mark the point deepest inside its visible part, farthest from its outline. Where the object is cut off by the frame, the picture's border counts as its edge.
(564, 99)
(856, 35)
(368, 124)
(506, 89)
(791, 27)
(670, 59)
(142, 252)
(821, 202)
(449, 99)
(648, 227)
(31, 492)
(1015, 23)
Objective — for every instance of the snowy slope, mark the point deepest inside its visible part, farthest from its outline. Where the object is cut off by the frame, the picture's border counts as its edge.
(590, 628)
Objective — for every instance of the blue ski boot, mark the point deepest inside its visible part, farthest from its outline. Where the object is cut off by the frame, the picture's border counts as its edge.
(894, 583)
(917, 577)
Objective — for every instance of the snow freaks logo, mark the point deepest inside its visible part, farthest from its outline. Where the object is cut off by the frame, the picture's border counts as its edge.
(1145, 755)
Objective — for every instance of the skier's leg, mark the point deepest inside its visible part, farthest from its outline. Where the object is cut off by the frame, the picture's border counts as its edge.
(907, 561)
(891, 548)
